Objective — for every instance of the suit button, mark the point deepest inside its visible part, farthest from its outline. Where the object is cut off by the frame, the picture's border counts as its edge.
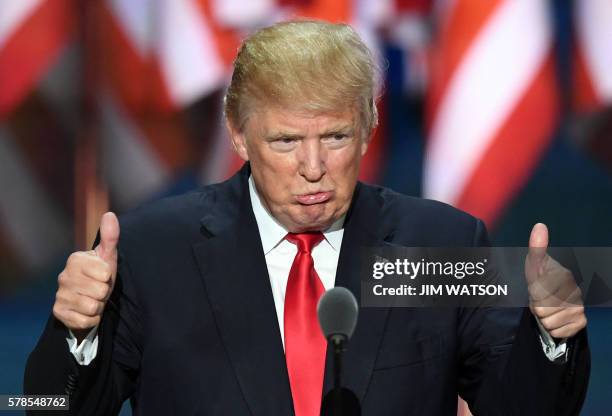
(71, 384)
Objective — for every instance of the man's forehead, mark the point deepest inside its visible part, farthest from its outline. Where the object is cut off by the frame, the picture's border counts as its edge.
(274, 120)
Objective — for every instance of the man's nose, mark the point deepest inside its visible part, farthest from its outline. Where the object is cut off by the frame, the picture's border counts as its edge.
(312, 160)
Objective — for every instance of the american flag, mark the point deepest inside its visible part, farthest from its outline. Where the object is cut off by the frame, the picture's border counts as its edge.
(35, 207)
(492, 102)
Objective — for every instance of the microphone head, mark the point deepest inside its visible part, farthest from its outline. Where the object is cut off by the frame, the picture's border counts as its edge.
(338, 311)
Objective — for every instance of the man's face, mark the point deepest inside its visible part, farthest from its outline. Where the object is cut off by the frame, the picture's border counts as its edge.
(305, 165)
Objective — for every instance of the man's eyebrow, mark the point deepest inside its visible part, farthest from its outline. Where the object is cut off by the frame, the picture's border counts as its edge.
(348, 130)
(282, 135)
(343, 129)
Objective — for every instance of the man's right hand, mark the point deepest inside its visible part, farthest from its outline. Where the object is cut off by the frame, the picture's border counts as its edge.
(87, 281)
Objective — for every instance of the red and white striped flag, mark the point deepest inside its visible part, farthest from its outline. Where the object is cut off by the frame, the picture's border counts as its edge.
(492, 102)
(35, 152)
(159, 57)
(593, 54)
(32, 33)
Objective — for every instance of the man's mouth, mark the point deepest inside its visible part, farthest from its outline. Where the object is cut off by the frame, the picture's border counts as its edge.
(315, 198)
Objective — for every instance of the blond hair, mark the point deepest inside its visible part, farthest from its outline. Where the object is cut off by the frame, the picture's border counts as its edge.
(303, 66)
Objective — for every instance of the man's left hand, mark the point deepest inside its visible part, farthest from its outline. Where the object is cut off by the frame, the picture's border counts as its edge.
(554, 297)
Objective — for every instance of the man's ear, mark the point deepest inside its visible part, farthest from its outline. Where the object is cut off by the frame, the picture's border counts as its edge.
(238, 141)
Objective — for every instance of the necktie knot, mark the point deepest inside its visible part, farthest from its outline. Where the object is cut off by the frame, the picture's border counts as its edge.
(305, 241)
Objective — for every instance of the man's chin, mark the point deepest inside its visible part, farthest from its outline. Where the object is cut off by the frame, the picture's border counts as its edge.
(310, 224)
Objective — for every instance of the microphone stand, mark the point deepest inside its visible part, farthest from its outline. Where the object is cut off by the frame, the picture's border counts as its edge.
(341, 401)
(337, 342)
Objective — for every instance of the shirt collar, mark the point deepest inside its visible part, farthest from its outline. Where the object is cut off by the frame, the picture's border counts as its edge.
(272, 232)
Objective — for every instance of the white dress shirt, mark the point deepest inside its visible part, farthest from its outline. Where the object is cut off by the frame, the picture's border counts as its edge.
(279, 254)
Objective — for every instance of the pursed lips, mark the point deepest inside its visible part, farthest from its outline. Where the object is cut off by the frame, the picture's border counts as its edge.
(314, 198)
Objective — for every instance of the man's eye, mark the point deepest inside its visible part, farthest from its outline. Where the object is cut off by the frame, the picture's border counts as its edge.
(336, 140)
(283, 143)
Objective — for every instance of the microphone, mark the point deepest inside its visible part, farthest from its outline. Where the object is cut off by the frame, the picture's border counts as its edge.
(338, 311)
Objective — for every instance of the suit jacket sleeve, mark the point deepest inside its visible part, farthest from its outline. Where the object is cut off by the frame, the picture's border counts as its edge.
(101, 387)
(503, 368)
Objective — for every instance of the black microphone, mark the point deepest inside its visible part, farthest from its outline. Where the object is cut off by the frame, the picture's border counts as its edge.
(338, 311)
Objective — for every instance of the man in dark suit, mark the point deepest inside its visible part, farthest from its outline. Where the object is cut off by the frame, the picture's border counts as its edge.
(206, 303)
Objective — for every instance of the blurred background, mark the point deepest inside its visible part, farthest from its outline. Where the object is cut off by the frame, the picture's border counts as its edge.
(502, 108)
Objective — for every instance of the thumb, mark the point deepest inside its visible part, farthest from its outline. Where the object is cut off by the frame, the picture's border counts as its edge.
(538, 243)
(109, 237)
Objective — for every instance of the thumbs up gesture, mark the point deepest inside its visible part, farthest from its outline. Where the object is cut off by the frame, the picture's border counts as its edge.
(554, 297)
(87, 281)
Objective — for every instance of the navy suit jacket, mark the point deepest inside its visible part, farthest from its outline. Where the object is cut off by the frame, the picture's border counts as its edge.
(191, 327)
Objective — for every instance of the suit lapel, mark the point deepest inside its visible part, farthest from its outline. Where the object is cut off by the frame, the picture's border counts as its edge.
(235, 275)
(364, 227)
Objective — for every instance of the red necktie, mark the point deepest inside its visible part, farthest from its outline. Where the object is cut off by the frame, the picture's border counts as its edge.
(305, 345)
